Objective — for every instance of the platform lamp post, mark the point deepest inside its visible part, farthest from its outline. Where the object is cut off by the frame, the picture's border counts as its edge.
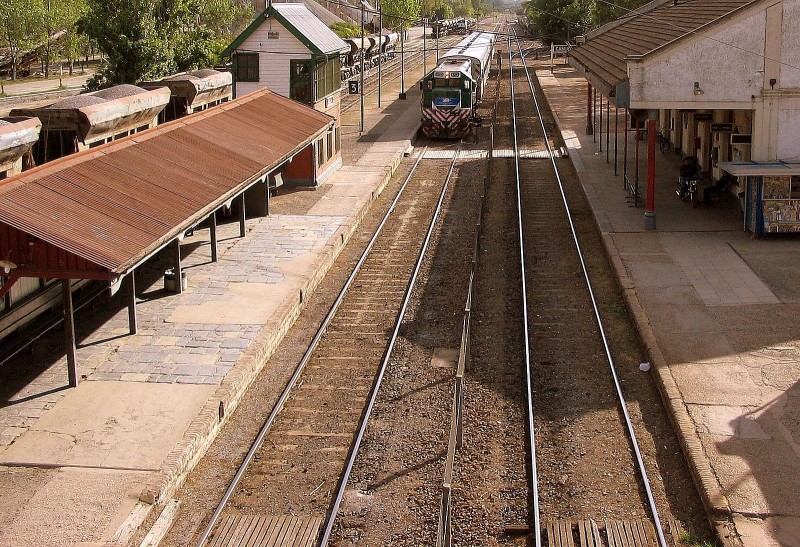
(380, 49)
(361, 72)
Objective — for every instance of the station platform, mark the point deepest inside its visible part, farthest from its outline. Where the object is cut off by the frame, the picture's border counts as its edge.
(85, 466)
(717, 311)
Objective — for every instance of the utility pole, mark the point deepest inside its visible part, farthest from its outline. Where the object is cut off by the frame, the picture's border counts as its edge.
(361, 85)
(403, 60)
(380, 49)
(424, 45)
(437, 46)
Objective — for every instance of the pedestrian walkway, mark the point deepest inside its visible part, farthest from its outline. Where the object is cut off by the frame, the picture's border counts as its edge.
(717, 311)
(83, 466)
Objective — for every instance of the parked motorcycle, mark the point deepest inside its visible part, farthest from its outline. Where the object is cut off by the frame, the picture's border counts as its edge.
(688, 190)
(688, 181)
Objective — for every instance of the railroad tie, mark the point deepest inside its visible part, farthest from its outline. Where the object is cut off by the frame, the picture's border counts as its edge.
(252, 531)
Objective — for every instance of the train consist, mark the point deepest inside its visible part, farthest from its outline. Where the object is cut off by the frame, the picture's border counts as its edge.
(376, 47)
(458, 25)
(451, 91)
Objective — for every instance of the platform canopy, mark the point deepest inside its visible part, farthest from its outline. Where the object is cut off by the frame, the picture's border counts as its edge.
(99, 213)
(756, 168)
(603, 59)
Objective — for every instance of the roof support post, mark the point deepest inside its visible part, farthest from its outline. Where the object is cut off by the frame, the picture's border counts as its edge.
(637, 137)
(212, 226)
(177, 266)
(242, 216)
(616, 137)
(266, 197)
(650, 205)
(600, 114)
(133, 322)
(589, 124)
(594, 114)
(69, 332)
(608, 129)
(625, 152)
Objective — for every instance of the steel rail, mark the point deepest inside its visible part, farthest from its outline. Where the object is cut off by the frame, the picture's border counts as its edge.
(387, 355)
(304, 361)
(620, 396)
(528, 381)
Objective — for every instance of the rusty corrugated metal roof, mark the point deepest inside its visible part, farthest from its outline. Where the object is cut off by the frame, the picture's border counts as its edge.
(640, 34)
(116, 204)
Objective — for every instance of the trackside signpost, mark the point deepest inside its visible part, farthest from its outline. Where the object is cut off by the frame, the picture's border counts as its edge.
(558, 49)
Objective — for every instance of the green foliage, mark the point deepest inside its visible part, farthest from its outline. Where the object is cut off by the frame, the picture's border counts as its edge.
(147, 39)
(346, 30)
(692, 540)
(396, 13)
(18, 23)
(559, 20)
(447, 9)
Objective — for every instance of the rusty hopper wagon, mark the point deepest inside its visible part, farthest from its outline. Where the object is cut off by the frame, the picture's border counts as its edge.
(193, 91)
(17, 137)
(91, 119)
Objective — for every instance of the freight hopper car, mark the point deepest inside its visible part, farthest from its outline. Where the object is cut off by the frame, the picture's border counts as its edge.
(376, 47)
(452, 90)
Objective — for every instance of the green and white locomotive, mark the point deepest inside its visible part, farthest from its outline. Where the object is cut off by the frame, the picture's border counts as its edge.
(451, 91)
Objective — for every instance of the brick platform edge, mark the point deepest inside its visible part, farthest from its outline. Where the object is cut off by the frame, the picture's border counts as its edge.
(713, 499)
(204, 428)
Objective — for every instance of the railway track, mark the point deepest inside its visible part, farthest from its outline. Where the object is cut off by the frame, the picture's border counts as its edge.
(298, 466)
(560, 464)
(307, 482)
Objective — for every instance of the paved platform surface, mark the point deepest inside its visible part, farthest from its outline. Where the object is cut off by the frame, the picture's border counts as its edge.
(83, 466)
(718, 311)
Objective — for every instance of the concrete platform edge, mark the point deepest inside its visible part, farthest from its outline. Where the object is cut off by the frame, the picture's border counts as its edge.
(204, 428)
(714, 501)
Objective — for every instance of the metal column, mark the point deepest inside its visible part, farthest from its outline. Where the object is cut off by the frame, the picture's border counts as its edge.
(242, 227)
(133, 321)
(380, 50)
(650, 204)
(589, 121)
(177, 266)
(600, 112)
(212, 226)
(608, 129)
(69, 332)
(616, 137)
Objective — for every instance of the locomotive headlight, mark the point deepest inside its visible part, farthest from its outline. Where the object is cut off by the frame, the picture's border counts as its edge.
(429, 84)
(466, 84)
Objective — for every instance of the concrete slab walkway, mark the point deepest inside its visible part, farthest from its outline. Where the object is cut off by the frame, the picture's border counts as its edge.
(717, 310)
(83, 466)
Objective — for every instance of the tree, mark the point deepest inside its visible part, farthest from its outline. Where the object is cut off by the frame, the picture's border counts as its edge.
(17, 24)
(56, 20)
(397, 13)
(558, 20)
(148, 39)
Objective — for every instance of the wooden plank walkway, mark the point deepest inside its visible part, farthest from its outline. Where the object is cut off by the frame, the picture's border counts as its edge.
(586, 533)
(251, 531)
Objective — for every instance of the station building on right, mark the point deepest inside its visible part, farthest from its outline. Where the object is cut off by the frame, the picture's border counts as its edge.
(721, 78)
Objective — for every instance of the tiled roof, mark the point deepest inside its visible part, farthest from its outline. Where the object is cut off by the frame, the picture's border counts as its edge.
(604, 55)
(116, 204)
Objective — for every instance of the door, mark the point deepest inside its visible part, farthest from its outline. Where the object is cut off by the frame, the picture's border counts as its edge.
(300, 80)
